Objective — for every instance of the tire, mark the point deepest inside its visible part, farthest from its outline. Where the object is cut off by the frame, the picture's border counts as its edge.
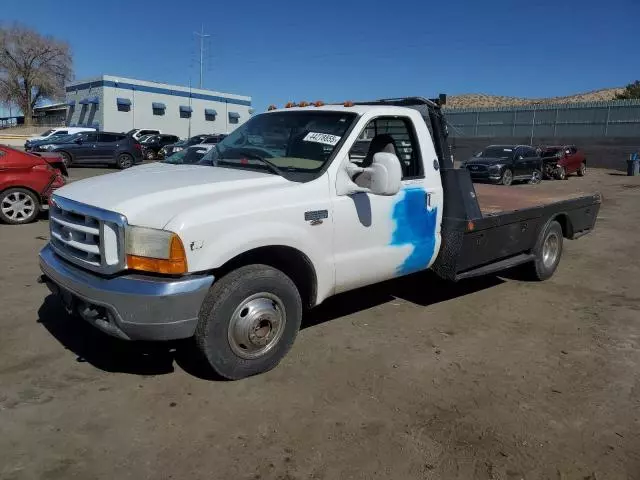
(18, 206)
(124, 161)
(507, 177)
(536, 177)
(561, 173)
(66, 159)
(149, 155)
(238, 315)
(582, 171)
(548, 251)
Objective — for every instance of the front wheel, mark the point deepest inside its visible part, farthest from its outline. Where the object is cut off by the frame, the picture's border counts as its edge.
(507, 177)
(248, 321)
(547, 251)
(66, 159)
(536, 177)
(582, 171)
(561, 173)
(18, 206)
(124, 161)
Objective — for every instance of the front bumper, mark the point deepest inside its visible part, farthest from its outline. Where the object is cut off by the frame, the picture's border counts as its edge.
(131, 307)
(485, 175)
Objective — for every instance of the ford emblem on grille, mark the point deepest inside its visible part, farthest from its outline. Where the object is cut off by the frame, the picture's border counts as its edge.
(68, 234)
(474, 167)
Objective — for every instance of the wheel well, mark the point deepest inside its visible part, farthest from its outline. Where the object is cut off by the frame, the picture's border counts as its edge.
(38, 196)
(565, 222)
(293, 263)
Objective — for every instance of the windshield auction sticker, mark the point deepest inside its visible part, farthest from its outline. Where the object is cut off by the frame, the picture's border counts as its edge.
(325, 138)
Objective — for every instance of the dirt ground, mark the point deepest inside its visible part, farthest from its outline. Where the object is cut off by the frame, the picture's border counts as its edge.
(495, 378)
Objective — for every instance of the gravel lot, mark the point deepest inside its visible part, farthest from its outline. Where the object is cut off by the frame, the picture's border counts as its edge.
(494, 378)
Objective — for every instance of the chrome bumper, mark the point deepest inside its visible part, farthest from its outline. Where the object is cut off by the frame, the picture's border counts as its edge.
(131, 307)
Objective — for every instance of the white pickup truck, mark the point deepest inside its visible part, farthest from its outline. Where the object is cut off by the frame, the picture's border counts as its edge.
(284, 213)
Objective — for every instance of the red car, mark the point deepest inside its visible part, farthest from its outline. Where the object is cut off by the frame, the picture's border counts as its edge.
(26, 182)
(561, 161)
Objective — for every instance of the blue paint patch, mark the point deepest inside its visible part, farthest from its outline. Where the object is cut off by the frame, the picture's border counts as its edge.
(415, 226)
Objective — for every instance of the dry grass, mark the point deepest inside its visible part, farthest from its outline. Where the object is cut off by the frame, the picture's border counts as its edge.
(474, 100)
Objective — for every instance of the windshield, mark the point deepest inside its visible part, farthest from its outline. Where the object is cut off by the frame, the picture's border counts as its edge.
(47, 133)
(280, 142)
(496, 152)
(188, 156)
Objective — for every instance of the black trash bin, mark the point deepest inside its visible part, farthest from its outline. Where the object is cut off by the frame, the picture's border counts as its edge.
(633, 165)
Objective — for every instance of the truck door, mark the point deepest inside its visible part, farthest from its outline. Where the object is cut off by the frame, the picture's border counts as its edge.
(381, 237)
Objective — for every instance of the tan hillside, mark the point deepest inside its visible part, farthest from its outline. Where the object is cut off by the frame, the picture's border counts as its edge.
(475, 100)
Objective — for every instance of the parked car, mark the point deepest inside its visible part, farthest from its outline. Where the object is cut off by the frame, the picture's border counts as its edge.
(561, 161)
(144, 138)
(26, 183)
(505, 164)
(47, 144)
(152, 146)
(188, 156)
(100, 147)
(55, 132)
(195, 140)
(137, 133)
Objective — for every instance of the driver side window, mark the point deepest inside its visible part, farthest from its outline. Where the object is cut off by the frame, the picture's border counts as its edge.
(393, 135)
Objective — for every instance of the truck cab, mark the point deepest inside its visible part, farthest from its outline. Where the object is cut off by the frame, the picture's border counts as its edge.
(294, 206)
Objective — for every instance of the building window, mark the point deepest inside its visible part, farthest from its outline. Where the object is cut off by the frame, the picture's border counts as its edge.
(185, 111)
(210, 114)
(234, 117)
(158, 108)
(124, 104)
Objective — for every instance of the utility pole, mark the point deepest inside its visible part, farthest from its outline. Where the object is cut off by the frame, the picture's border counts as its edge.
(202, 36)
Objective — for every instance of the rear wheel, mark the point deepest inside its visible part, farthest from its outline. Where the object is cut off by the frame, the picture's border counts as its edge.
(561, 173)
(536, 177)
(18, 206)
(582, 171)
(547, 251)
(507, 177)
(124, 161)
(248, 321)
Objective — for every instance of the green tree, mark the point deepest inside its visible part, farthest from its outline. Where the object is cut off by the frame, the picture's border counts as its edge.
(32, 68)
(630, 91)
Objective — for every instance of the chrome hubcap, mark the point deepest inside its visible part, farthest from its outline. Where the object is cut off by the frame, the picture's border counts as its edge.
(507, 177)
(550, 250)
(256, 325)
(125, 161)
(17, 206)
(536, 177)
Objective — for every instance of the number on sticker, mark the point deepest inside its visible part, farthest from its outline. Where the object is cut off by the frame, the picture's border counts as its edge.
(324, 138)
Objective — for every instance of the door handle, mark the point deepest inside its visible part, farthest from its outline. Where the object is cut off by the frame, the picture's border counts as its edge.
(428, 199)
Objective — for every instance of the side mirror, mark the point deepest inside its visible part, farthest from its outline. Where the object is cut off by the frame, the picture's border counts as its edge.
(383, 177)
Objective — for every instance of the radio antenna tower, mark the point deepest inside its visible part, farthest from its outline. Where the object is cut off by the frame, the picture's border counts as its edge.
(202, 36)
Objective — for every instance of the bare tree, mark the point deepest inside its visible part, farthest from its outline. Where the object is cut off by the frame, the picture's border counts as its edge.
(32, 68)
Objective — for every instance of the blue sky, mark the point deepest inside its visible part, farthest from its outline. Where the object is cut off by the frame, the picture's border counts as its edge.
(335, 50)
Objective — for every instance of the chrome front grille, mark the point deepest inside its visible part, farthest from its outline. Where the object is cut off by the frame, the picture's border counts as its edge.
(87, 236)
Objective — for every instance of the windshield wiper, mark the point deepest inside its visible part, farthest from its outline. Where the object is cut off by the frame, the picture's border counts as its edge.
(271, 166)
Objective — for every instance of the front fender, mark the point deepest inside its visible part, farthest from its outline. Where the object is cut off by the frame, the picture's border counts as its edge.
(214, 252)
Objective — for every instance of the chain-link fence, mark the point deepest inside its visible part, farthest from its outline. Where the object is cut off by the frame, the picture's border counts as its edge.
(618, 118)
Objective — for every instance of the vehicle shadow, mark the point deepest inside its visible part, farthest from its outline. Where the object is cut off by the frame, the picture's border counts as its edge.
(423, 288)
(158, 358)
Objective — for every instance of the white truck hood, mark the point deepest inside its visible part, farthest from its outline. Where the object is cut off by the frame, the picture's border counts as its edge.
(151, 195)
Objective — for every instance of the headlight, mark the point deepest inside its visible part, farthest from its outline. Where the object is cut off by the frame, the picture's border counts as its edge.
(158, 251)
(177, 149)
(496, 167)
(47, 147)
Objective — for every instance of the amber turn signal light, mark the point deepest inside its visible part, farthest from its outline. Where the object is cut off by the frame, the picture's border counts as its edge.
(176, 264)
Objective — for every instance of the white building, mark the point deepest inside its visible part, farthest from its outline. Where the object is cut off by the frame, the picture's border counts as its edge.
(117, 104)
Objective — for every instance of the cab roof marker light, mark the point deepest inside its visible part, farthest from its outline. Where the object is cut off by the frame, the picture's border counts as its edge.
(348, 103)
(290, 105)
(272, 107)
(318, 103)
(303, 104)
